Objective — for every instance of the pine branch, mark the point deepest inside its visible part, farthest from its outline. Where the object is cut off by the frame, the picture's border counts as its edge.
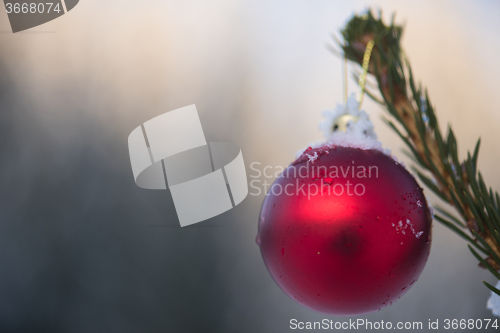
(458, 183)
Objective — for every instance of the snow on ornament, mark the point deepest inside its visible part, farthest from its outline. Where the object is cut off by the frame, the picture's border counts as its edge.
(345, 229)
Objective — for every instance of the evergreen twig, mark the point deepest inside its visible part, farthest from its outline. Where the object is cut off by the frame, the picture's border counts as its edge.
(459, 183)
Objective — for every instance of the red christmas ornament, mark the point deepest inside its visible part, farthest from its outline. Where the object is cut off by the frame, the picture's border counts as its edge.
(345, 231)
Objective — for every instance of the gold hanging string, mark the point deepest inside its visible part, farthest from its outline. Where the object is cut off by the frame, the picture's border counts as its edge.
(345, 77)
(362, 78)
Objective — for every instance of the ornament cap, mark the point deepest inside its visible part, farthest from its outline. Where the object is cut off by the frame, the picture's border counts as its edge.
(347, 126)
(342, 123)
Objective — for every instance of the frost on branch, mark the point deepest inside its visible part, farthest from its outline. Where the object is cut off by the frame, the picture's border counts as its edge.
(494, 302)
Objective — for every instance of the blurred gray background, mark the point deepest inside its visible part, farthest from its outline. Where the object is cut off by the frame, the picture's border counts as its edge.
(83, 249)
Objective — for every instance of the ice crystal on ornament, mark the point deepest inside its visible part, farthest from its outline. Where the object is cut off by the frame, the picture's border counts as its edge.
(314, 157)
(402, 227)
(494, 302)
(396, 159)
(347, 126)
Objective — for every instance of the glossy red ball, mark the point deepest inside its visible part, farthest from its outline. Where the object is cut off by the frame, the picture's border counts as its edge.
(345, 231)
